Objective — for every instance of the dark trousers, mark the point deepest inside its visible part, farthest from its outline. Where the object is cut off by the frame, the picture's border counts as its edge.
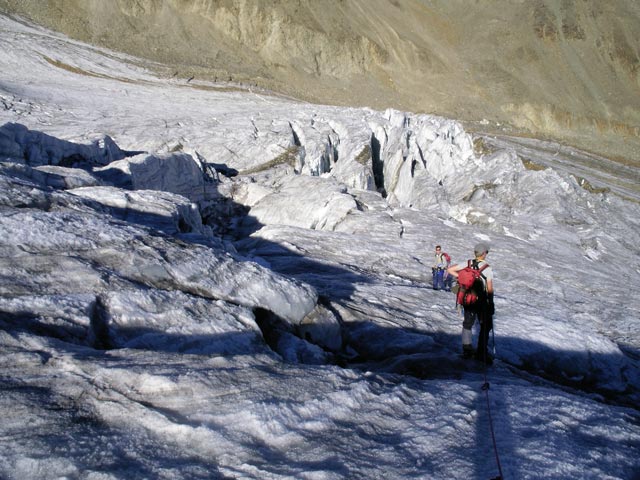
(486, 325)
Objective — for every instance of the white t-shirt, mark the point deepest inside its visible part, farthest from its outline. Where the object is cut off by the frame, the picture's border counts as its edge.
(487, 272)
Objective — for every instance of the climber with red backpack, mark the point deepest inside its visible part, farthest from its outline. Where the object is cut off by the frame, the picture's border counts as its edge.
(475, 295)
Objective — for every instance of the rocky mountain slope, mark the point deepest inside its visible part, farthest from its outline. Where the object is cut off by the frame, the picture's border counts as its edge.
(562, 69)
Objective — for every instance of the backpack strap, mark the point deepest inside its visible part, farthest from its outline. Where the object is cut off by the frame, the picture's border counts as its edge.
(474, 264)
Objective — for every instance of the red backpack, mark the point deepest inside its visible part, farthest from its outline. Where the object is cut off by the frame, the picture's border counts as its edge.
(471, 285)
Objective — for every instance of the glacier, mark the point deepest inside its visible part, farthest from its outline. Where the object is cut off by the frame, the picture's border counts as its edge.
(202, 280)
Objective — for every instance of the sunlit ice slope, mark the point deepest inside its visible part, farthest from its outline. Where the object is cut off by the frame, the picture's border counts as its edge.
(561, 69)
(360, 194)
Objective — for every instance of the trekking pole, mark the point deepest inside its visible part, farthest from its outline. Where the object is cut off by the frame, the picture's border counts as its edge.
(493, 336)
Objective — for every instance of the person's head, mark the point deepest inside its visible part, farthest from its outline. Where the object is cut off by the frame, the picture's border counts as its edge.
(438, 248)
(481, 250)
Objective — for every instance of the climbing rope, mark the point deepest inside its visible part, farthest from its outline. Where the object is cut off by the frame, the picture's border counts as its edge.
(485, 388)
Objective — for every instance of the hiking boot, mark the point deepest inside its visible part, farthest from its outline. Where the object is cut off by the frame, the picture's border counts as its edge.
(467, 351)
(485, 358)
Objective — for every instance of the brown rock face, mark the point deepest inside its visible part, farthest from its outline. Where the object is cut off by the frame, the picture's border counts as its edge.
(562, 69)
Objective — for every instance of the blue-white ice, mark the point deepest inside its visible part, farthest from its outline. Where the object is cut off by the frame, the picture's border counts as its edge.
(160, 319)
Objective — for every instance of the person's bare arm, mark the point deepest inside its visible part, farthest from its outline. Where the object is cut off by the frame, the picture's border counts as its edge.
(454, 269)
(490, 286)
